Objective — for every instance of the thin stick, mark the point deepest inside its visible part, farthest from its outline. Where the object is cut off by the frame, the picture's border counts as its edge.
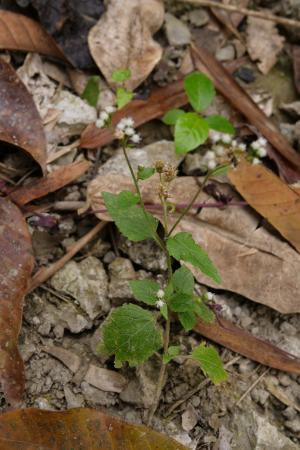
(197, 389)
(250, 388)
(45, 273)
(247, 12)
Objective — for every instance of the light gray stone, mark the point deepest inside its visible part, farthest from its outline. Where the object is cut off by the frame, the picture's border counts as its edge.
(226, 53)
(198, 17)
(177, 32)
(121, 271)
(87, 283)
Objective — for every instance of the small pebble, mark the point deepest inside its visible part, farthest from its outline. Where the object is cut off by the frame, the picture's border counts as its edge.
(246, 366)
(289, 413)
(109, 257)
(226, 53)
(284, 379)
(293, 425)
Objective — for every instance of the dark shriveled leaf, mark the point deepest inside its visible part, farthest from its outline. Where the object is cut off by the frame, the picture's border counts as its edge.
(15, 270)
(20, 123)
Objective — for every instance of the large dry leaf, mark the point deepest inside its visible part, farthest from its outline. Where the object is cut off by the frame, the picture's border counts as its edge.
(18, 32)
(75, 429)
(20, 123)
(252, 261)
(234, 93)
(50, 183)
(264, 43)
(122, 39)
(272, 198)
(15, 270)
(230, 336)
(159, 102)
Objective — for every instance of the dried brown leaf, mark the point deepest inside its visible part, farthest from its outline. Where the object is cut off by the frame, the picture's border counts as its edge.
(252, 261)
(80, 428)
(18, 32)
(271, 197)
(230, 336)
(122, 39)
(15, 270)
(234, 93)
(20, 122)
(264, 43)
(50, 183)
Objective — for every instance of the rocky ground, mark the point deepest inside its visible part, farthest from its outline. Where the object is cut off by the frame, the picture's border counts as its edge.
(258, 408)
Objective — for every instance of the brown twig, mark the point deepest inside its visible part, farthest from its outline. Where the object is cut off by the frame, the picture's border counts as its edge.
(247, 12)
(46, 272)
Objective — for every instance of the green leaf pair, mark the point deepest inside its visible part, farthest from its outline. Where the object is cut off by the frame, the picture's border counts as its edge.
(192, 130)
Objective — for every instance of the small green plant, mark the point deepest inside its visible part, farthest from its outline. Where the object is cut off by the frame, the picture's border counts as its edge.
(133, 333)
(91, 91)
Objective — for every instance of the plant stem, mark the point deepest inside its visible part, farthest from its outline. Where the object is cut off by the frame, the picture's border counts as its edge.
(162, 372)
(189, 206)
(136, 184)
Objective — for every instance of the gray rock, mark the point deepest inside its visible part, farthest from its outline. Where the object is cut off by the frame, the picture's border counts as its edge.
(141, 156)
(189, 418)
(146, 253)
(73, 400)
(253, 432)
(289, 413)
(177, 32)
(193, 163)
(95, 396)
(226, 53)
(147, 375)
(121, 271)
(293, 425)
(132, 393)
(86, 282)
(198, 17)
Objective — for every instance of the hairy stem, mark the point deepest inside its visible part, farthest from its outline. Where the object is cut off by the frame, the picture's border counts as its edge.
(189, 206)
(136, 184)
(162, 373)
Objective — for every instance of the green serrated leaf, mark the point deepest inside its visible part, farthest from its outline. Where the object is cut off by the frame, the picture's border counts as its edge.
(172, 352)
(190, 132)
(220, 170)
(129, 218)
(183, 280)
(131, 334)
(123, 97)
(180, 302)
(164, 311)
(200, 90)
(144, 173)
(188, 320)
(210, 363)
(145, 290)
(171, 117)
(183, 247)
(204, 312)
(92, 90)
(121, 75)
(220, 123)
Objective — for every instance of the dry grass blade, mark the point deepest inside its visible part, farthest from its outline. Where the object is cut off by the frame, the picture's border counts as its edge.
(230, 89)
(18, 32)
(50, 183)
(229, 335)
(15, 270)
(272, 198)
(159, 102)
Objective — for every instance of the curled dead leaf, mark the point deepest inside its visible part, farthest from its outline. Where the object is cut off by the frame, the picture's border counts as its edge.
(20, 123)
(122, 39)
(81, 428)
(15, 270)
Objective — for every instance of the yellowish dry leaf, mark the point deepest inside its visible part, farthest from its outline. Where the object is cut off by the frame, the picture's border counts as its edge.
(122, 39)
(264, 43)
(271, 197)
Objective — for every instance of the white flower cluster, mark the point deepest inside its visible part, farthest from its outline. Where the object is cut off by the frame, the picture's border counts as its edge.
(216, 137)
(258, 149)
(160, 302)
(104, 116)
(209, 296)
(125, 128)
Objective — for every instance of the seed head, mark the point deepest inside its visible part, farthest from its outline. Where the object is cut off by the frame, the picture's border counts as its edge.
(159, 166)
